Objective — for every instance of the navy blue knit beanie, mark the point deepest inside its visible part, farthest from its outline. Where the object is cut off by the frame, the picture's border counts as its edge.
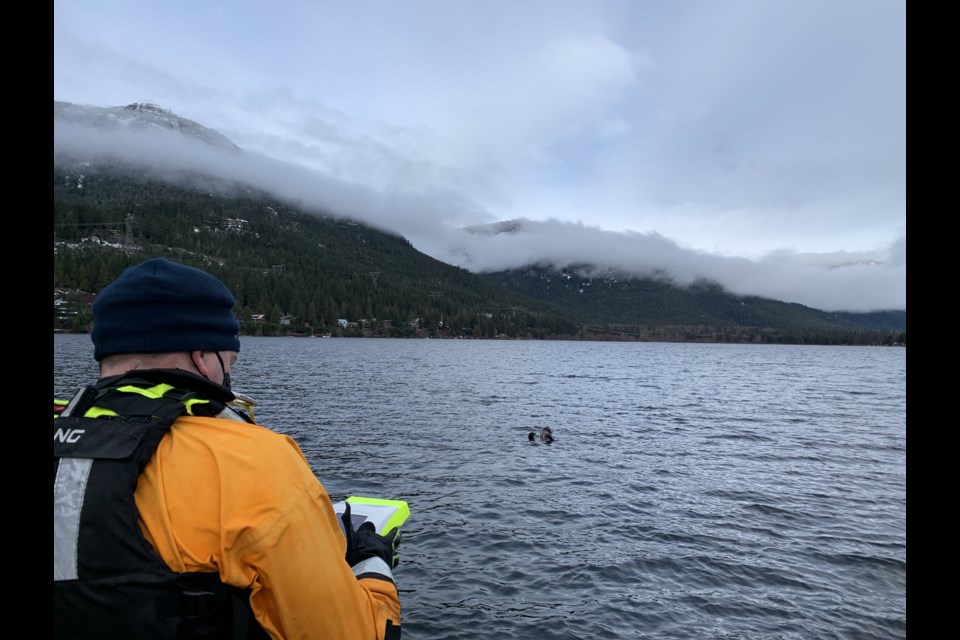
(159, 306)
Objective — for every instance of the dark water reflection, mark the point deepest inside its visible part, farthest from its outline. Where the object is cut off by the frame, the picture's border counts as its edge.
(693, 491)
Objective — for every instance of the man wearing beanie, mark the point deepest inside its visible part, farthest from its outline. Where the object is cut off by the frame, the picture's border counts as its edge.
(175, 515)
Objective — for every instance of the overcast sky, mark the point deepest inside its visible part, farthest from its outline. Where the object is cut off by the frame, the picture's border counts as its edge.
(760, 143)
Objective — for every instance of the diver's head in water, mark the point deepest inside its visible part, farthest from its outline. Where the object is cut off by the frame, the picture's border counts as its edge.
(531, 436)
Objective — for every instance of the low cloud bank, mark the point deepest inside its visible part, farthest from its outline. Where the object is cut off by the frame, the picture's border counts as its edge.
(444, 225)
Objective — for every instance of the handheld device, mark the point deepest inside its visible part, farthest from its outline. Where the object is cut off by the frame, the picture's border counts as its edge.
(385, 515)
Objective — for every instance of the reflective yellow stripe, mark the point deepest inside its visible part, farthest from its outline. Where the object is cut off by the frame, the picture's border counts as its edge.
(159, 391)
(96, 412)
(192, 401)
(153, 392)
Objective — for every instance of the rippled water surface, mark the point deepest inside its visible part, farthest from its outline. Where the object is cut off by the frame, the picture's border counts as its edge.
(693, 491)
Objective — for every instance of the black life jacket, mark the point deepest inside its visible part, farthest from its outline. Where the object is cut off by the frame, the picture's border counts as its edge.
(108, 581)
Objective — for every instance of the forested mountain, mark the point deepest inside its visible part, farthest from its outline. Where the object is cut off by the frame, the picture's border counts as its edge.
(310, 272)
(284, 265)
(647, 307)
(305, 272)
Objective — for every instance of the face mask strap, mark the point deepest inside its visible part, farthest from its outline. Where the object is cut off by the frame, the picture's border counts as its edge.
(226, 376)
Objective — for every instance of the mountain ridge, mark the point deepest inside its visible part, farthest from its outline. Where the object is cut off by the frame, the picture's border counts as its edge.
(620, 313)
(140, 115)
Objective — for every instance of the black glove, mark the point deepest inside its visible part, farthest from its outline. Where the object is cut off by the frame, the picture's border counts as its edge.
(365, 542)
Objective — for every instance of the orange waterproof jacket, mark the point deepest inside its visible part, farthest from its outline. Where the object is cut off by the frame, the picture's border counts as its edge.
(228, 496)
(240, 499)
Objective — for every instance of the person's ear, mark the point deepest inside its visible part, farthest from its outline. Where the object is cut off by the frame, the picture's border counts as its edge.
(197, 357)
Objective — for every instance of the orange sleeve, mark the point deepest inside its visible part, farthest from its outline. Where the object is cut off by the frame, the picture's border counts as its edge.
(242, 500)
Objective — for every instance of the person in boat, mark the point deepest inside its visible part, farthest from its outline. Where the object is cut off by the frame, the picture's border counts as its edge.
(546, 434)
(175, 514)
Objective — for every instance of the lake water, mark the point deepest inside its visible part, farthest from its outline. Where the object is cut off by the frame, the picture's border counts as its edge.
(693, 490)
